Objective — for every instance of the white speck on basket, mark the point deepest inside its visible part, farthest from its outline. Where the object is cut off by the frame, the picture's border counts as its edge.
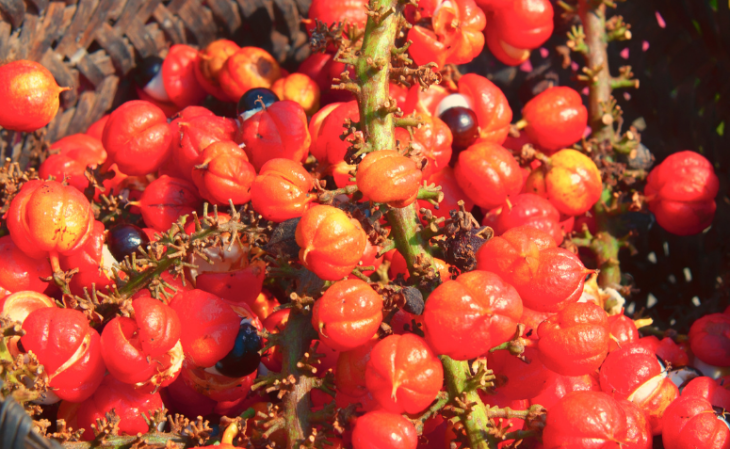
(651, 301)
(660, 20)
(631, 308)
(672, 279)
(652, 257)
(672, 322)
(696, 301)
(665, 245)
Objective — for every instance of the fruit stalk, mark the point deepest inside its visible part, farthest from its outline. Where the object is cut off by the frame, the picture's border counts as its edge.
(155, 439)
(377, 122)
(593, 15)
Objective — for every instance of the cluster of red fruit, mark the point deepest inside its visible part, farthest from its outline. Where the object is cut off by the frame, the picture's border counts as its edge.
(200, 351)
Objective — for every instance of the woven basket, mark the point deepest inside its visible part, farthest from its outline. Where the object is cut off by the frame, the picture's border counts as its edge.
(92, 45)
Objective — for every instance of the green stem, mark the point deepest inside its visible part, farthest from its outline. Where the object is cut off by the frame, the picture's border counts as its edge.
(127, 441)
(295, 341)
(593, 16)
(476, 420)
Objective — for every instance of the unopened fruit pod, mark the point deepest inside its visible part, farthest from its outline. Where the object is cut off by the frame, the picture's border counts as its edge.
(93, 46)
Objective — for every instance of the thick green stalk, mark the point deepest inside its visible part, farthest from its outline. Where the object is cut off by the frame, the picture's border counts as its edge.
(377, 123)
(295, 341)
(476, 420)
(593, 16)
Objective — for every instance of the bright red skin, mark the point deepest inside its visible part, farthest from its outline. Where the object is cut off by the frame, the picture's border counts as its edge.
(128, 404)
(575, 340)
(715, 391)
(532, 319)
(170, 167)
(166, 199)
(281, 190)
(348, 314)
(208, 63)
(623, 330)
(322, 68)
(524, 23)
(403, 374)
(488, 174)
(452, 194)
(238, 286)
(29, 95)
(681, 193)
(178, 76)
(546, 277)
(54, 335)
(210, 327)
(388, 177)
(279, 131)
(638, 433)
(196, 134)
(507, 55)
(384, 430)
(217, 387)
(517, 379)
(228, 175)
(448, 43)
(690, 422)
(671, 352)
(137, 138)
(331, 242)
(490, 105)
(556, 118)
(247, 68)
(585, 419)
(350, 371)
(87, 259)
(69, 158)
(135, 349)
(626, 369)
(96, 129)
(17, 306)
(48, 217)
(18, 272)
(327, 146)
(466, 317)
(526, 209)
(435, 138)
(709, 339)
(558, 386)
(351, 12)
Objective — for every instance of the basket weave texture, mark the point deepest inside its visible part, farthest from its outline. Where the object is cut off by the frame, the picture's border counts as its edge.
(91, 45)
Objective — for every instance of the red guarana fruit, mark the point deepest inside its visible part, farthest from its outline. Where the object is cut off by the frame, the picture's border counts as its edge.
(466, 317)
(547, 278)
(681, 193)
(490, 105)
(278, 131)
(299, 88)
(556, 118)
(178, 76)
(488, 174)
(526, 209)
(88, 259)
(387, 177)
(247, 68)
(29, 95)
(209, 62)
(709, 338)
(165, 200)
(517, 379)
(281, 190)
(19, 272)
(690, 422)
(574, 341)
(223, 173)
(383, 430)
(137, 138)
(452, 194)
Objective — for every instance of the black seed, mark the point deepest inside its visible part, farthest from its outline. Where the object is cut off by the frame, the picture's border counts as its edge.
(250, 104)
(123, 240)
(147, 70)
(244, 358)
(464, 127)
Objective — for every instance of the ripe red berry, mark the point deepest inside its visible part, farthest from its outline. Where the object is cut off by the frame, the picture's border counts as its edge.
(575, 340)
(681, 193)
(556, 118)
(709, 338)
(166, 199)
(446, 179)
(278, 131)
(558, 386)
(49, 218)
(690, 422)
(488, 174)
(383, 430)
(88, 259)
(348, 314)
(247, 68)
(526, 209)
(326, 128)
(300, 88)
(403, 374)
(466, 317)
(68, 349)
(546, 277)
(585, 419)
(209, 62)
(571, 182)
(517, 379)
(193, 132)
(331, 242)
(137, 138)
(223, 173)
(387, 177)
(210, 327)
(350, 371)
(623, 331)
(491, 106)
(178, 75)
(29, 94)
(18, 306)
(714, 390)
(281, 190)
(19, 272)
